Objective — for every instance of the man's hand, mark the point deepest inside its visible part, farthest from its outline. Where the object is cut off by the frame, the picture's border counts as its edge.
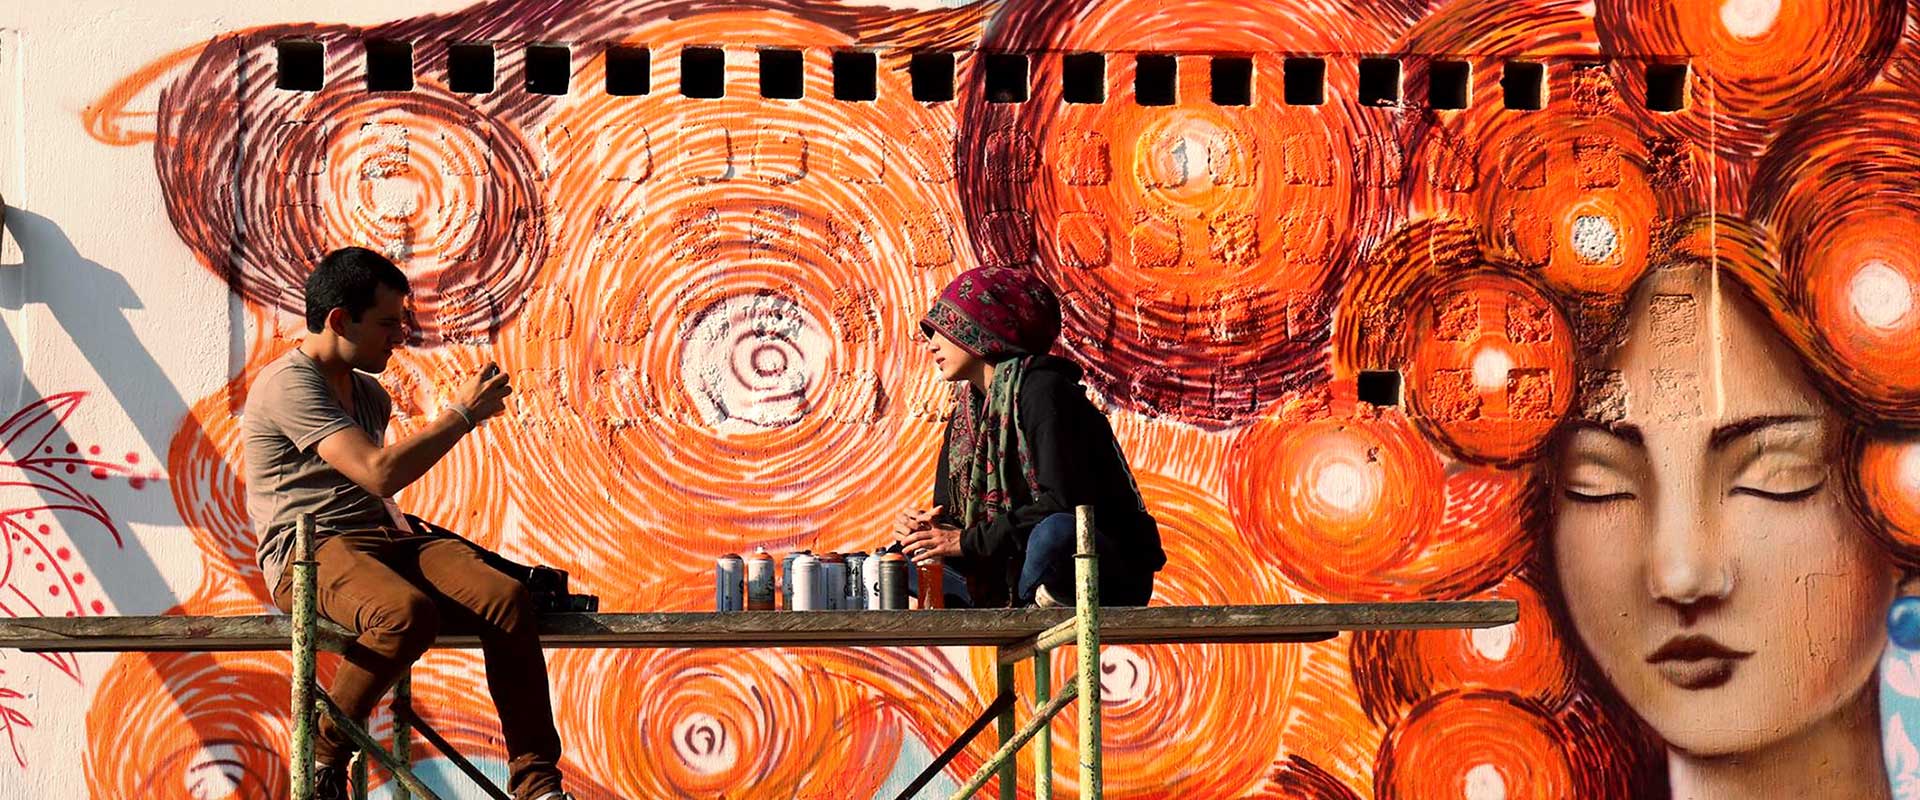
(485, 394)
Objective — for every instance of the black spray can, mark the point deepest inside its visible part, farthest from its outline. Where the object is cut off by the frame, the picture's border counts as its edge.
(893, 581)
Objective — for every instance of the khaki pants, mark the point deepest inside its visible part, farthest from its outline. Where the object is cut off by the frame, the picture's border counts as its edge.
(397, 590)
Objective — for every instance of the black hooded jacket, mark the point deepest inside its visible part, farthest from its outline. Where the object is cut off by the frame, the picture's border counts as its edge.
(1077, 462)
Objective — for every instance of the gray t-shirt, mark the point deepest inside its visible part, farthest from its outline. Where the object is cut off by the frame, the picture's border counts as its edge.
(289, 410)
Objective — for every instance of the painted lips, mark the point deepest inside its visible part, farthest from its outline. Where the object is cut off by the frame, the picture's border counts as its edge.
(1696, 662)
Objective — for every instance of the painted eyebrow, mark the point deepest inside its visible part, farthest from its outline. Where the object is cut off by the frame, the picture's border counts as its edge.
(1737, 429)
(1623, 431)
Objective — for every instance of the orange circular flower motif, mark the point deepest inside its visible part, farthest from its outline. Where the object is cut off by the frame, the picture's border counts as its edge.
(1478, 743)
(155, 729)
(1573, 188)
(1759, 63)
(1887, 487)
(1341, 506)
(1193, 238)
(444, 189)
(1393, 669)
(1838, 191)
(1577, 198)
(1862, 291)
(1491, 372)
(722, 723)
(1377, 301)
(1182, 703)
(720, 360)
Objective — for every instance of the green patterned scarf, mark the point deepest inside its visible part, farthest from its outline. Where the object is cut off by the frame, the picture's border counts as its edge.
(987, 445)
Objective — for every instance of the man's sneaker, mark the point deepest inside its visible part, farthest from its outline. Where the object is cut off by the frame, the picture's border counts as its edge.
(329, 782)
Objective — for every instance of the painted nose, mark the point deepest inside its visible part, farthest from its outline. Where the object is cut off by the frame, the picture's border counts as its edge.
(1685, 568)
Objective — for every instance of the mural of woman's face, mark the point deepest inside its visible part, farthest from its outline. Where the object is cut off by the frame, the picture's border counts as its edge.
(1702, 538)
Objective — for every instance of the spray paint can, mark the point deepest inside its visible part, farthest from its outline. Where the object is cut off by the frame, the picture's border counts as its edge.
(833, 581)
(786, 577)
(760, 581)
(893, 581)
(854, 594)
(870, 579)
(729, 583)
(805, 579)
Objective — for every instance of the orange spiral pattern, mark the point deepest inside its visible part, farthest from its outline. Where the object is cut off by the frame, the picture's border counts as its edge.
(1488, 357)
(708, 307)
(714, 723)
(1491, 371)
(1339, 505)
(1476, 743)
(1396, 669)
(1758, 67)
(1486, 531)
(1184, 703)
(1372, 317)
(731, 362)
(443, 188)
(1839, 192)
(1613, 752)
(1577, 190)
(202, 725)
(1193, 286)
(1887, 488)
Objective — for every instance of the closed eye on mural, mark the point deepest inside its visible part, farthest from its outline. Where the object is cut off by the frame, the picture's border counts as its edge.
(1007, 77)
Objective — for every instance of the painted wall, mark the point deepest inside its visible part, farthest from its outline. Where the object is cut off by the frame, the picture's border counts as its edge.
(1656, 370)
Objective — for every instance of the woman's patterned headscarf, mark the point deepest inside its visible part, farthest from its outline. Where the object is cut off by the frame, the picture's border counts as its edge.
(1006, 316)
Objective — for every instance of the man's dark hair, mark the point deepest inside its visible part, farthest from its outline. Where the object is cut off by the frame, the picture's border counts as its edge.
(347, 278)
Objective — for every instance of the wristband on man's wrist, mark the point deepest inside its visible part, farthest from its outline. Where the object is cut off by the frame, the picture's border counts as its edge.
(465, 415)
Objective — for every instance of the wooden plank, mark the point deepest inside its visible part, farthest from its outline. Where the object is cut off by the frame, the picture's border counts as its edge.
(972, 627)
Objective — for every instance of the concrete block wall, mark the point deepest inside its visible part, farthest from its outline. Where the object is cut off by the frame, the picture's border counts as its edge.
(1607, 307)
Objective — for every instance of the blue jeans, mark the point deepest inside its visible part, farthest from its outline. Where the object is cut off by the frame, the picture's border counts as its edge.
(1049, 562)
(952, 584)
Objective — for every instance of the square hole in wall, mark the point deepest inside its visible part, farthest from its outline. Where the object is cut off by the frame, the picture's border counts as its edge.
(1666, 87)
(1007, 78)
(1083, 78)
(1231, 78)
(629, 70)
(389, 66)
(703, 72)
(1523, 85)
(1449, 84)
(1379, 81)
(470, 67)
(1305, 81)
(1156, 79)
(549, 68)
(854, 75)
(301, 65)
(1380, 387)
(783, 74)
(932, 77)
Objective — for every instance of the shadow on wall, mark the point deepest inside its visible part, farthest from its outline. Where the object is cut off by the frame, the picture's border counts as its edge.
(86, 299)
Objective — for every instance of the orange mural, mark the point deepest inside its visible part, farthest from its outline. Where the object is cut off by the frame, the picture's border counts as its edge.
(1640, 274)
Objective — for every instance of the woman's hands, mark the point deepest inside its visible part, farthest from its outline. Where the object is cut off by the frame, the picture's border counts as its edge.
(923, 539)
